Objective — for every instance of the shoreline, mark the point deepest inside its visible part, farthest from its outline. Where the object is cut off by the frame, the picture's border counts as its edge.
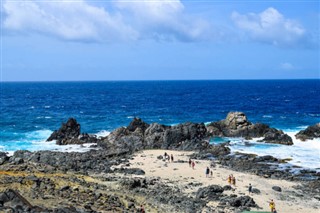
(182, 175)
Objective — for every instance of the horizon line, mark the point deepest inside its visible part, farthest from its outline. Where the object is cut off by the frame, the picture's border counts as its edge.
(150, 80)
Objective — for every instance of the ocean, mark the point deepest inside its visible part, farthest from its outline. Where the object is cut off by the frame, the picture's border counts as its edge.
(30, 111)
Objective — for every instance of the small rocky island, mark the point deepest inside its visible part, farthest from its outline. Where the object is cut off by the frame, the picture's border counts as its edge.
(126, 171)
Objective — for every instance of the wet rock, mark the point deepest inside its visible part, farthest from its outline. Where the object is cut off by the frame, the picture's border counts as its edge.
(68, 130)
(309, 133)
(236, 124)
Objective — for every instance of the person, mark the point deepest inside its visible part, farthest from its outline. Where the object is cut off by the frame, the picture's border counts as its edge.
(229, 179)
(211, 173)
(272, 205)
(190, 161)
(207, 172)
(250, 188)
(193, 164)
(233, 180)
(142, 209)
(165, 156)
(171, 157)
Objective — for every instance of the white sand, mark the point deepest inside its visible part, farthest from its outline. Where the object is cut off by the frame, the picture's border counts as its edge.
(181, 174)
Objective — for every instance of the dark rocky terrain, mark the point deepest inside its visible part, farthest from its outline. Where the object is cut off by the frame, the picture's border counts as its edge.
(47, 181)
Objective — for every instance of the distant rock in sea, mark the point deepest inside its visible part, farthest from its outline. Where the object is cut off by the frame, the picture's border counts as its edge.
(69, 133)
(236, 124)
(309, 133)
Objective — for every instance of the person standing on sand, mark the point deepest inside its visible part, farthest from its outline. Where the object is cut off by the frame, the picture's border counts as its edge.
(190, 162)
(229, 179)
(211, 173)
(233, 180)
(165, 156)
(272, 205)
(171, 157)
(250, 188)
(207, 172)
(193, 164)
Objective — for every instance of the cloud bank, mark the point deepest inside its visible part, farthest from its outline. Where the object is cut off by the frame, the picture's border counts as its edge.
(144, 19)
(66, 20)
(77, 20)
(271, 27)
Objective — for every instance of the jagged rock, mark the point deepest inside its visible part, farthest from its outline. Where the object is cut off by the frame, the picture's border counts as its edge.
(137, 123)
(68, 130)
(69, 133)
(212, 192)
(236, 124)
(3, 158)
(242, 201)
(139, 135)
(309, 133)
(278, 137)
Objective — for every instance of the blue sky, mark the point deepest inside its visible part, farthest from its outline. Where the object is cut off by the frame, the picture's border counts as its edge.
(159, 40)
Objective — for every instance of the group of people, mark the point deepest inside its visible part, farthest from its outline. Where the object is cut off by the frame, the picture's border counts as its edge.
(232, 180)
(191, 163)
(167, 157)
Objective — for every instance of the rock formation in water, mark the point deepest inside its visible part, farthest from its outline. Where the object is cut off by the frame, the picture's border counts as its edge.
(236, 124)
(69, 133)
(309, 133)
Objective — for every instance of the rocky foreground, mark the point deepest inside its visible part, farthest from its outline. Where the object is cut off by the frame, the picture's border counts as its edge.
(106, 180)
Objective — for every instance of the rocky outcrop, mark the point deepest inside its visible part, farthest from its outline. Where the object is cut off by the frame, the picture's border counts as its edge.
(140, 135)
(69, 133)
(309, 133)
(236, 124)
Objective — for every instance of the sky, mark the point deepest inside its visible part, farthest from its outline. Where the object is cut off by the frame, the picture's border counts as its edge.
(82, 40)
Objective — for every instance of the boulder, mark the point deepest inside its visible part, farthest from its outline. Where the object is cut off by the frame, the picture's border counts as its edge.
(3, 158)
(137, 123)
(69, 133)
(278, 137)
(309, 133)
(140, 135)
(236, 124)
(277, 188)
(211, 192)
(68, 130)
(242, 201)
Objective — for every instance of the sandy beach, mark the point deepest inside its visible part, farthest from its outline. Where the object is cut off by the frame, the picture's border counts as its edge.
(180, 174)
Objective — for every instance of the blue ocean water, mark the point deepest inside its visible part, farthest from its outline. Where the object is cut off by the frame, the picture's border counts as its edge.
(30, 111)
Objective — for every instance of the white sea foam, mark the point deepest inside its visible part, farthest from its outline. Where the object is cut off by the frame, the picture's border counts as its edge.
(102, 133)
(130, 117)
(47, 107)
(267, 116)
(304, 154)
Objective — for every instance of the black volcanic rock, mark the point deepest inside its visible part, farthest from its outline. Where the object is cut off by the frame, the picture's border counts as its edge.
(140, 135)
(69, 130)
(69, 133)
(309, 133)
(236, 124)
(137, 123)
(277, 136)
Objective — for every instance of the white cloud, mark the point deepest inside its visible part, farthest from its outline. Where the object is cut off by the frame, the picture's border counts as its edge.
(78, 20)
(286, 66)
(165, 20)
(270, 26)
(66, 19)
